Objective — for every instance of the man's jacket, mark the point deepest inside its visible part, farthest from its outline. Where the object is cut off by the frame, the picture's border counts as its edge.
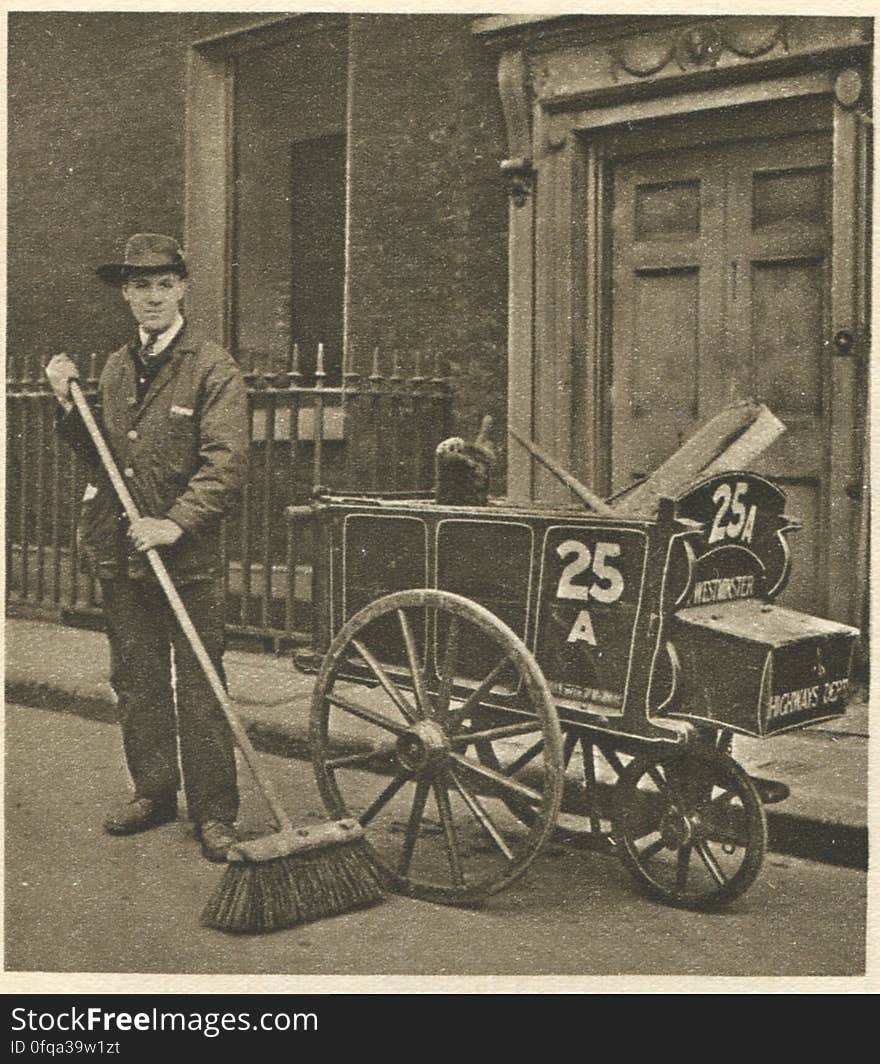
(183, 452)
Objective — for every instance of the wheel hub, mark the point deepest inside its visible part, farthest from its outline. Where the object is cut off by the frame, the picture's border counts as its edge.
(676, 829)
(423, 747)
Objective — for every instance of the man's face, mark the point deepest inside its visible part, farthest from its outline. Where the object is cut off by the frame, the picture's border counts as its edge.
(154, 298)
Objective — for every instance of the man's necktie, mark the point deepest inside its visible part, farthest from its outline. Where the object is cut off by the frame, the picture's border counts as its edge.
(147, 353)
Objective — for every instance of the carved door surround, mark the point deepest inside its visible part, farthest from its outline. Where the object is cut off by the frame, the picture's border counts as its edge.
(573, 86)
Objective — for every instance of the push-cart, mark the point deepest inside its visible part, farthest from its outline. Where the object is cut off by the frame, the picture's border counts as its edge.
(490, 675)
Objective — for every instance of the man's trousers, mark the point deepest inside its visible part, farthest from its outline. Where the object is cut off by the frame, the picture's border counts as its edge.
(143, 632)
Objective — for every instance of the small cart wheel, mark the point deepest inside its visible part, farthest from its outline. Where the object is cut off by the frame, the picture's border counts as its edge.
(690, 826)
(413, 691)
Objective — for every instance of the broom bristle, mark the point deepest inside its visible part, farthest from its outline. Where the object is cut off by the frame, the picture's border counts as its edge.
(259, 896)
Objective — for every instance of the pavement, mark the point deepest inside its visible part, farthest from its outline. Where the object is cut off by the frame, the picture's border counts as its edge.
(54, 667)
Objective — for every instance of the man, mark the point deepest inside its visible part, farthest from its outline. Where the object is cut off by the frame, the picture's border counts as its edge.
(172, 408)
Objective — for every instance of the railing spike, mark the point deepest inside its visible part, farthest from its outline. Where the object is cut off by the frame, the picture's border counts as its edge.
(417, 377)
(395, 366)
(13, 379)
(375, 375)
(294, 376)
(349, 373)
(262, 375)
(248, 355)
(319, 367)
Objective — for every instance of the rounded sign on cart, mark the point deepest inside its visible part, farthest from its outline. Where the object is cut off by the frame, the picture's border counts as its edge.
(743, 551)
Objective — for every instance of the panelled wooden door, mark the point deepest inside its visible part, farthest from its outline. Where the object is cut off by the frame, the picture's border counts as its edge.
(720, 290)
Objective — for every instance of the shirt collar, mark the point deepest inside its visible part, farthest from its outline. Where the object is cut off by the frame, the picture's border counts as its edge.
(163, 339)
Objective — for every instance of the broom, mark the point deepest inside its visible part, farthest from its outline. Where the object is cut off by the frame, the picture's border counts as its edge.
(296, 874)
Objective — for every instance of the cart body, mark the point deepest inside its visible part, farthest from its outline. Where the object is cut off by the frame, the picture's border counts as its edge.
(628, 619)
(641, 643)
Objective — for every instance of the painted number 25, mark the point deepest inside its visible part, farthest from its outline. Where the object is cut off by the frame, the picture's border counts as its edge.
(608, 583)
(734, 519)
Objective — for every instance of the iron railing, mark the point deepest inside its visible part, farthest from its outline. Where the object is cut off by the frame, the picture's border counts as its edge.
(370, 432)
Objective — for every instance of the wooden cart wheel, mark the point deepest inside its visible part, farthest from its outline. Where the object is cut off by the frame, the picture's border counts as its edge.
(445, 676)
(584, 815)
(690, 826)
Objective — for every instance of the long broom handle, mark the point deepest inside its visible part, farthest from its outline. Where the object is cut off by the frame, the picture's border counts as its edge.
(179, 610)
(581, 490)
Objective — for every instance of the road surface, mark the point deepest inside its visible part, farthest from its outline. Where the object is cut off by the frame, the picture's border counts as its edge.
(78, 900)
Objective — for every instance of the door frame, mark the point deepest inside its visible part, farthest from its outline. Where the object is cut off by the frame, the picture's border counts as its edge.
(209, 157)
(615, 146)
(570, 274)
(776, 138)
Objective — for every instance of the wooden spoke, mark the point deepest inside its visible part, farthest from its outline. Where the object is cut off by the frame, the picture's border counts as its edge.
(724, 801)
(588, 763)
(418, 678)
(681, 872)
(658, 778)
(481, 816)
(613, 759)
(382, 800)
(708, 859)
(652, 848)
(726, 822)
(590, 785)
(366, 759)
(503, 731)
(389, 686)
(525, 757)
(496, 782)
(477, 696)
(369, 715)
(665, 785)
(412, 827)
(441, 796)
(447, 668)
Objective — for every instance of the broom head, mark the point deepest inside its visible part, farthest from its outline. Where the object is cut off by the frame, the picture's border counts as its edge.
(295, 876)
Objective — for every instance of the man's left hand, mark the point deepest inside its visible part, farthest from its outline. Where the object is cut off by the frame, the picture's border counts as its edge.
(148, 532)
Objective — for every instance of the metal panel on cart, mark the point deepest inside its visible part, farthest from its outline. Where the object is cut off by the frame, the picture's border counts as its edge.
(591, 582)
(490, 562)
(383, 553)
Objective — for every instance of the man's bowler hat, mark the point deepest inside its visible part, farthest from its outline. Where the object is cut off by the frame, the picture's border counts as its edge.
(144, 253)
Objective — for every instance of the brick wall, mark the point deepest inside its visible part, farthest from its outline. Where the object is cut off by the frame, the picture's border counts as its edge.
(96, 151)
(96, 133)
(428, 255)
